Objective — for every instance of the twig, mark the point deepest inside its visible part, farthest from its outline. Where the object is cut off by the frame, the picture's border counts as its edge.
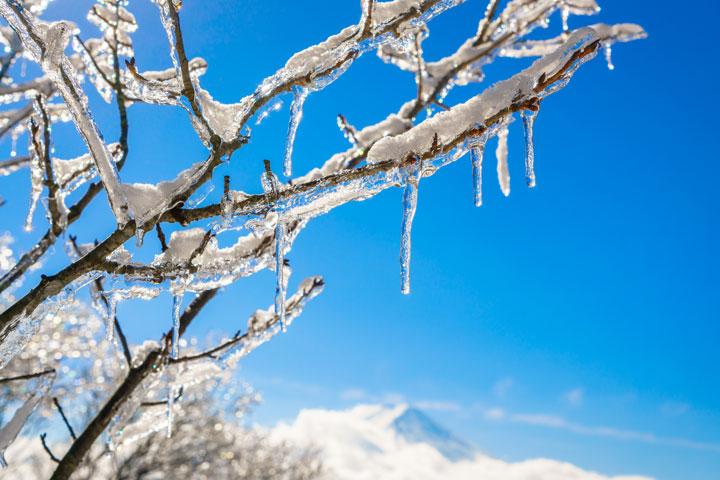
(29, 376)
(47, 449)
(492, 8)
(62, 414)
(161, 237)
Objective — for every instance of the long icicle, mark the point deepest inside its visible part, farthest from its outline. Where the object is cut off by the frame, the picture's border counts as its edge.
(112, 300)
(410, 196)
(177, 303)
(502, 166)
(528, 117)
(296, 112)
(477, 148)
(281, 283)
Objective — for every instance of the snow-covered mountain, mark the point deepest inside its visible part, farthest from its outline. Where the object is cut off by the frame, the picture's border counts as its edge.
(402, 443)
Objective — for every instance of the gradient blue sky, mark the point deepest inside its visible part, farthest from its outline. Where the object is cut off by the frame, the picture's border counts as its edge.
(534, 321)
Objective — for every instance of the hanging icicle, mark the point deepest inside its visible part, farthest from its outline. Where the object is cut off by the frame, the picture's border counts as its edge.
(502, 166)
(112, 301)
(177, 304)
(477, 148)
(296, 112)
(528, 117)
(565, 16)
(411, 176)
(281, 281)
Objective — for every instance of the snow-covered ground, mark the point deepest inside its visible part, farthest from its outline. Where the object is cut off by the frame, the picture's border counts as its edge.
(402, 443)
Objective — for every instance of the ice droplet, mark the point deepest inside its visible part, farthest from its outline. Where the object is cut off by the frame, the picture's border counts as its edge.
(502, 166)
(528, 117)
(607, 46)
(410, 196)
(296, 112)
(565, 15)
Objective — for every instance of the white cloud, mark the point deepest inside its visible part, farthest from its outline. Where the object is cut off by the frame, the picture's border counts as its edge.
(575, 397)
(552, 421)
(494, 413)
(502, 386)
(363, 444)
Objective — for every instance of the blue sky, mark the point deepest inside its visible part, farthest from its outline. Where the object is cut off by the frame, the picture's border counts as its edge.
(577, 320)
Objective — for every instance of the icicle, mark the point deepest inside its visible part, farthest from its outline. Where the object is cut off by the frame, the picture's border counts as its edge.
(12, 429)
(110, 317)
(37, 176)
(476, 156)
(528, 117)
(410, 196)
(139, 233)
(296, 111)
(177, 304)
(281, 283)
(502, 165)
(607, 46)
(565, 15)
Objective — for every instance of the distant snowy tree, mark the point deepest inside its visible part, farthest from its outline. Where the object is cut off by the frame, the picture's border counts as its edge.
(410, 145)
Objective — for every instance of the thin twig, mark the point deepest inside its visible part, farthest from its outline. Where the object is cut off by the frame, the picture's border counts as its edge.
(62, 414)
(47, 449)
(27, 377)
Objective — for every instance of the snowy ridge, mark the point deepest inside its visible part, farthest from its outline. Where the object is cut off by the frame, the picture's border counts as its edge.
(402, 443)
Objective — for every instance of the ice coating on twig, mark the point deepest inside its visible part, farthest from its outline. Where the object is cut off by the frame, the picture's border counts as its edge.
(502, 165)
(411, 176)
(12, 429)
(622, 32)
(37, 172)
(452, 124)
(528, 117)
(46, 43)
(265, 324)
(296, 112)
